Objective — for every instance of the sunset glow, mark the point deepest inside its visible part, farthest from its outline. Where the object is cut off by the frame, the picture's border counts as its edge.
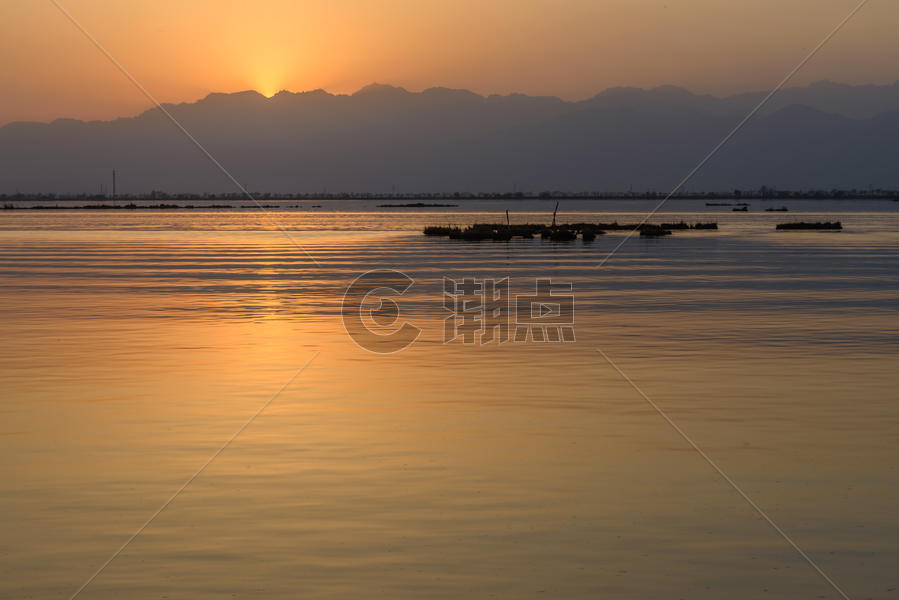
(182, 51)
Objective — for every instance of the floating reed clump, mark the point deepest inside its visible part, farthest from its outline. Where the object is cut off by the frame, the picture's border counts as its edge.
(616, 226)
(563, 235)
(674, 226)
(827, 225)
(513, 230)
(654, 231)
(441, 231)
(484, 231)
(557, 233)
(569, 232)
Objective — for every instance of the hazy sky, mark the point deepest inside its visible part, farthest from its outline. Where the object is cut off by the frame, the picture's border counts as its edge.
(180, 50)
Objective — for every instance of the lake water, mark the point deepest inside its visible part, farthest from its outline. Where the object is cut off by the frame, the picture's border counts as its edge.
(134, 344)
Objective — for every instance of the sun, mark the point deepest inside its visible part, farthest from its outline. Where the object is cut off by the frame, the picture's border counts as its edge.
(269, 91)
(268, 87)
(268, 69)
(268, 81)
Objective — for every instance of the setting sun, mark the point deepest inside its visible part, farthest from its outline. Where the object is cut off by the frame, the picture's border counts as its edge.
(267, 89)
(268, 69)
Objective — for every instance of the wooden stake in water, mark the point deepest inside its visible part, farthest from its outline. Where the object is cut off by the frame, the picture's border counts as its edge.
(554, 214)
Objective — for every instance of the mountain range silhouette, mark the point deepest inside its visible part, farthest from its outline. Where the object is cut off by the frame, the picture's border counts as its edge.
(385, 138)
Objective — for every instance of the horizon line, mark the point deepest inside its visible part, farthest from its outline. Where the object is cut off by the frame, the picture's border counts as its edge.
(762, 192)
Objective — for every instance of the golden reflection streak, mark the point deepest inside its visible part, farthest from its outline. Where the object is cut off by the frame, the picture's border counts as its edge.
(194, 476)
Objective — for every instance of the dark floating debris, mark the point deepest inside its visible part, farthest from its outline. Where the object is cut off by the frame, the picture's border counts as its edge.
(563, 235)
(491, 231)
(781, 209)
(827, 225)
(673, 226)
(654, 231)
(440, 231)
(601, 228)
(743, 209)
(558, 233)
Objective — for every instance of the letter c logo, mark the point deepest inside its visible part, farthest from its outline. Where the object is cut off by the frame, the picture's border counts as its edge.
(370, 313)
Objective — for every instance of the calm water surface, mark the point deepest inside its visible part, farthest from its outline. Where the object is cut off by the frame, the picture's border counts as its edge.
(134, 344)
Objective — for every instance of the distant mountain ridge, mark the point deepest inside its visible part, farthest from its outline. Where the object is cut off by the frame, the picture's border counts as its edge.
(384, 137)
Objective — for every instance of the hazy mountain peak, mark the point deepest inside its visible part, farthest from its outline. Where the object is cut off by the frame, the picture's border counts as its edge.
(519, 99)
(318, 92)
(826, 83)
(66, 121)
(796, 111)
(620, 91)
(223, 96)
(451, 93)
(673, 90)
(381, 89)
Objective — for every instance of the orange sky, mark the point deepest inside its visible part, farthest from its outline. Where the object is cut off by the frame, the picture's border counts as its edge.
(180, 50)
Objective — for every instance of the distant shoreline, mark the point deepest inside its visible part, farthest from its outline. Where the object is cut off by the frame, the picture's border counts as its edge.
(163, 201)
